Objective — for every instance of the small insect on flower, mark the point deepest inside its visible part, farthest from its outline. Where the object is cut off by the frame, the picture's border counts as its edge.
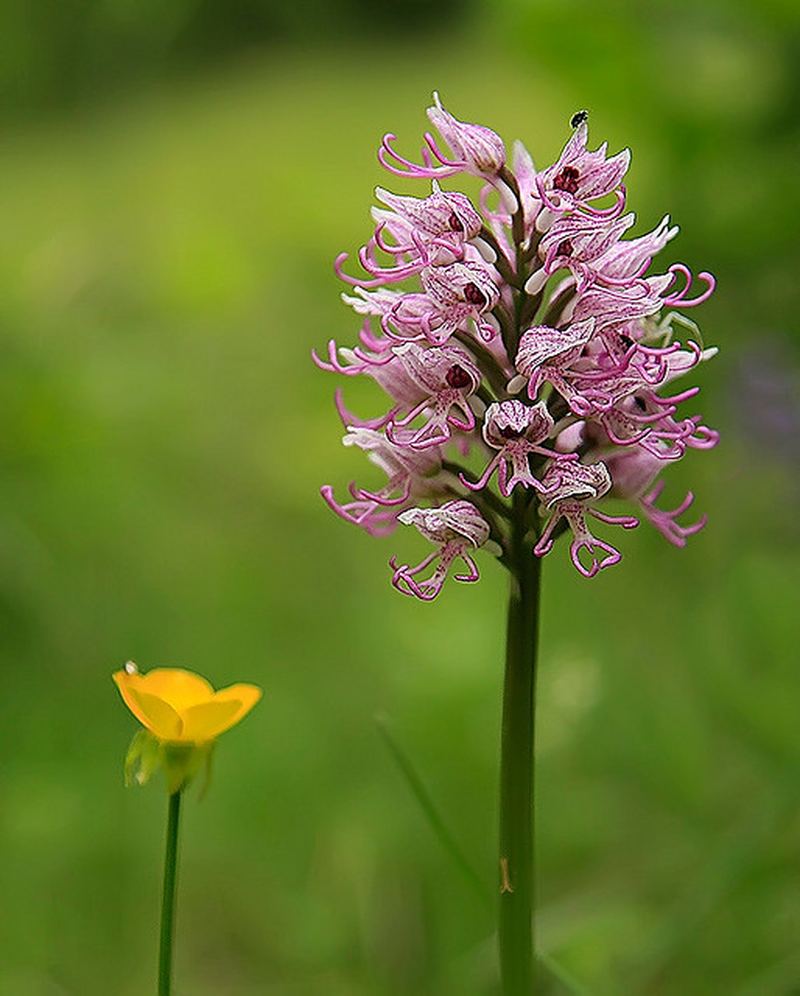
(578, 118)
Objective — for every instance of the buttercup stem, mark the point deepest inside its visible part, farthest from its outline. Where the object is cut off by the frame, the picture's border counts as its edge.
(168, 898)
(515, 914)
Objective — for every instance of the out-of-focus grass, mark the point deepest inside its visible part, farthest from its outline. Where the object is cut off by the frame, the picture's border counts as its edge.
(164, 272)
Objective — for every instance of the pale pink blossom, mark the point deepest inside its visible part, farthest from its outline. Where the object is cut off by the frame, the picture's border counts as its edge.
(516, 431)
(580, 176)
(446, 378)
(573, 490)
(455, 527)
(473, 149)
(410, 475)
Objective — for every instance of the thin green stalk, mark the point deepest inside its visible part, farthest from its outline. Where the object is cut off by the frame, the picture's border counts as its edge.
(515, 915)
(168, 898)
(435, 821)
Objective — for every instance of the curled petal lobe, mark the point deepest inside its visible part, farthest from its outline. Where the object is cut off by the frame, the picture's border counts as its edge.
(666, 521)
(591, 546)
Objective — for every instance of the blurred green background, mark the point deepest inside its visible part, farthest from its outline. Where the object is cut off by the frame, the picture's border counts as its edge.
(175, 180)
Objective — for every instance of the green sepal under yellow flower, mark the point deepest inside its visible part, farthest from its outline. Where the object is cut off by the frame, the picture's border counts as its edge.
(141, 759)
(180, 762)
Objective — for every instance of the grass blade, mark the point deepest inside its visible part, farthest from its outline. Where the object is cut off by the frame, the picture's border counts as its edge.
(428, 807)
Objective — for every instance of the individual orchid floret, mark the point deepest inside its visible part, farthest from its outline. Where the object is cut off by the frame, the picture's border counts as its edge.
(421, 380)
(443, 221)
(628, 259)
(616, 307)
(446, 377)
(455, 527)
(580, 176)
(460, 292)
(572, 490)
(403, 316)
(641, 420)
(410, 474)
(515, 430)
(453, 297)
(617, 303)
(577, 242)
(545, 353)
(474, 148)
(642, 298)
(601, 381)
(634, 472)
(416, 232)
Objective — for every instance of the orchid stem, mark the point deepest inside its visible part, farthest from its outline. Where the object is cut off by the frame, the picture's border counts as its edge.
(168, 898)
(515, 912)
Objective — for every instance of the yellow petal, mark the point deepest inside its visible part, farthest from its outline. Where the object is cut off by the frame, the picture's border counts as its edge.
(229, 706)
(176, 686)
(247, 696)
(125, 682)
(208, 719)
(155, 714)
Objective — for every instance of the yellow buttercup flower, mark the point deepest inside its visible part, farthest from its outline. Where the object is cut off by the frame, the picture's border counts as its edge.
(181, 707)
(182, 717)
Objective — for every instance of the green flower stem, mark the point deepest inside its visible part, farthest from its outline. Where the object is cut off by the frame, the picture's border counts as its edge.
(168, 898)
(515, 915)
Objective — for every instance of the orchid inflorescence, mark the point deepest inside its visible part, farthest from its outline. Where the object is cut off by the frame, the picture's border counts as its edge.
(534, 336)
